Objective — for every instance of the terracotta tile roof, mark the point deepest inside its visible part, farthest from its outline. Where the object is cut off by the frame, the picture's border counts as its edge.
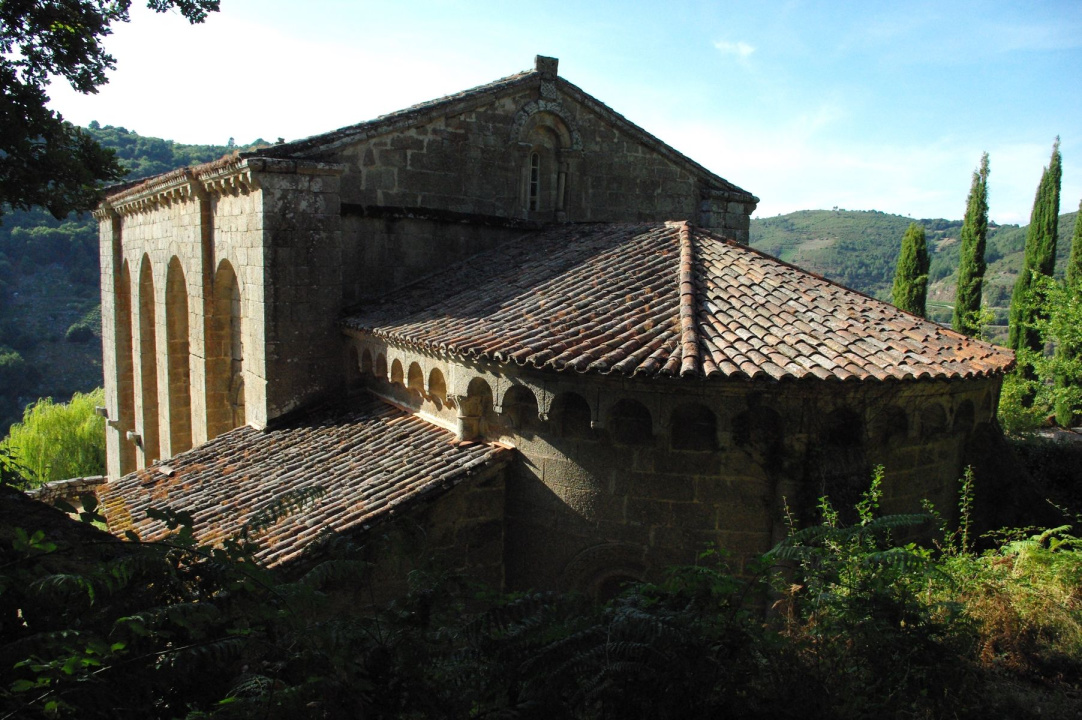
(666, 300)
(366, 462)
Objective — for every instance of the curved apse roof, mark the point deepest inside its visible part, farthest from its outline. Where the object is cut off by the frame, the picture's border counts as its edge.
(665, 299)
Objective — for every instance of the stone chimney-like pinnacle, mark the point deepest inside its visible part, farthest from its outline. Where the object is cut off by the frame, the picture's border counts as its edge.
(547, 66)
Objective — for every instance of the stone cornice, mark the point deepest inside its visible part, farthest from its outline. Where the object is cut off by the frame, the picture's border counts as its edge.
(228, 175)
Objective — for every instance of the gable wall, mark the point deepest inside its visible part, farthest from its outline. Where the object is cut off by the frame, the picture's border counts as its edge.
(407, 194)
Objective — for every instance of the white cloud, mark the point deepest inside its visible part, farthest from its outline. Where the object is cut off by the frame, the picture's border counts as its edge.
(741, 49)
(233, 76)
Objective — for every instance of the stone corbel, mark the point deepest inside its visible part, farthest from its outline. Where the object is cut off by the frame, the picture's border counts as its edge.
(468, 426)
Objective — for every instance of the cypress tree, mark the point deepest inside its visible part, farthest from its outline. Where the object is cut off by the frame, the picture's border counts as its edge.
(1067, 351)
(911, 275)
(967, 303)
(1074, 263)
(1040, 255)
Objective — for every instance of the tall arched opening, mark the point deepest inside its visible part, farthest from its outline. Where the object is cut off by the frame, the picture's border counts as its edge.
(225, 355)
(148, 364)
(125, 373)
(178, 359)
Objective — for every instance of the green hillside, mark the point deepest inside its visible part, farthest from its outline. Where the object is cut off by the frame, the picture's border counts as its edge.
(49, 283)
(859, 249)
(50, 323)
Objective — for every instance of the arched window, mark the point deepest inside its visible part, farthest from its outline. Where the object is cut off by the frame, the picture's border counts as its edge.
(437, 387)
(535, 180)
(178, 359)
(964, 417)
(570, 416)
(888, 427)
(381, 366)
(520, 408)
(148, 364)
(695, 428)
(367, 366)
(933, 421)
(630, 423)
(415, 381)
(759, 430)
(475, 414)
(545, 168)
(398, 376)
(839, 469)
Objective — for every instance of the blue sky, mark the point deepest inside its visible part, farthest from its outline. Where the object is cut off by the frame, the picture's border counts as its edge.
(860, 105)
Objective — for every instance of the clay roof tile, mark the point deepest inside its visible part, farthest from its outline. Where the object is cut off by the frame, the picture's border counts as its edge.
(666, 299)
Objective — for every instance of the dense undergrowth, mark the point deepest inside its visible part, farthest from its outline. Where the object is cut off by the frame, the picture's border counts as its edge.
(838, 621)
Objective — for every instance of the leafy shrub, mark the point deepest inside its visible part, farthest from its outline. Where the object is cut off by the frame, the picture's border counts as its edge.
(864, 627)
(79, 333)
(1047, 383)
(12, 369)
(60, 441)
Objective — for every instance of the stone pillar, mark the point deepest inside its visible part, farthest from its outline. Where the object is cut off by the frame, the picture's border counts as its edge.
(116, 321)
(302, 282)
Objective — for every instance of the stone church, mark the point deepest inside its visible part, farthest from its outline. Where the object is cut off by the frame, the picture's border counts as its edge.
(516, 322)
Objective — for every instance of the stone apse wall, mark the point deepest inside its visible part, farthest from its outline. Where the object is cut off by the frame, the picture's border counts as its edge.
(619, 479)
(207, 275)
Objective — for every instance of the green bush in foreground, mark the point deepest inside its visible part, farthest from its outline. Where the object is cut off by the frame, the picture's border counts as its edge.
(56, 441)
(863, 626)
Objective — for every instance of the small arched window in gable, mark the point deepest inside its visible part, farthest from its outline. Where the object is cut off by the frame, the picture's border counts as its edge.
(535, 180)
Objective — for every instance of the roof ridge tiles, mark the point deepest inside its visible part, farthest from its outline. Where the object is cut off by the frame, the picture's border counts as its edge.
(689, 336)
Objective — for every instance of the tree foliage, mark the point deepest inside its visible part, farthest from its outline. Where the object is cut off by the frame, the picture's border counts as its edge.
(971, 267)
(1047, 384)
(56, 441)
(1073, 274)
(1068, 340)
(911, 275)
(863, 626)
(44, 160)
(1040, 256)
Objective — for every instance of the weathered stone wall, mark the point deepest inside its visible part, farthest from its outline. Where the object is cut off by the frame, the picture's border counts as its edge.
(408, 192)
(138, 244)
(302, 283)
(381, 254)
(219, 296)
(620, 479)
(461, 531)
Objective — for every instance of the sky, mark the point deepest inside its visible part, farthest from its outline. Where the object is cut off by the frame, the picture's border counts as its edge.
(809, 105)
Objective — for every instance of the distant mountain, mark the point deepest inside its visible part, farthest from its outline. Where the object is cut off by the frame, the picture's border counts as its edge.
(49, 282)
(859, 249)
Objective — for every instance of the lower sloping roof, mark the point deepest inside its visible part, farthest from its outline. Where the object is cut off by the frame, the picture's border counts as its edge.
(666, 300)
(351, 469)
